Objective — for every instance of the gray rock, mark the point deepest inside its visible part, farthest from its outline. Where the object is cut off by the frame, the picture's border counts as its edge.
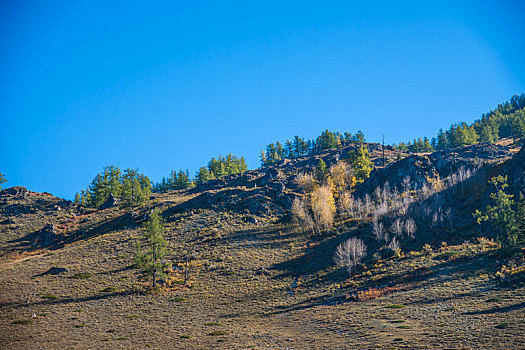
(55, 271)
(47, 236)
(110, 202)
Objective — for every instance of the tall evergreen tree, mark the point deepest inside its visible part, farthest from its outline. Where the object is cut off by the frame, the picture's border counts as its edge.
(360, 161)
(321, 171)
(150, 261)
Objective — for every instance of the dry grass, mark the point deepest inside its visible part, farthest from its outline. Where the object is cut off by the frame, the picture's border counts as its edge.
(449, 297)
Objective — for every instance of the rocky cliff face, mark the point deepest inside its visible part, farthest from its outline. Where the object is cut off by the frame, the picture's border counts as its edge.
(421, 169)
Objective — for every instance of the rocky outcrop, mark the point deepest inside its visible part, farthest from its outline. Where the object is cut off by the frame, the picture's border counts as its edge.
(110, 202)
(514, 169)
(47, 236)
(55, 271)
(16, 191)
(422, 168)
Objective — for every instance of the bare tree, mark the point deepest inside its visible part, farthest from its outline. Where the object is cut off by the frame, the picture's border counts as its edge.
(300, 213)
(381, 210)
(346, 203)
(359, 209)
(407, 184)
(367, 204)
(448, 215)
(410, 227)
(350, 253)
(397, 228)
(385, 194)
(435, 220)
(377, 195)
(394, 245)
(378, 229)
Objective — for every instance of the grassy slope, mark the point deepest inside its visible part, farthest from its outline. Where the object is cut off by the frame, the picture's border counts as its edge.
(448, 299)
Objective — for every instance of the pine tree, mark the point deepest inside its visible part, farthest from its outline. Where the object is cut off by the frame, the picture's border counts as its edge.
(203, 175)
(501, 215)
(136, 187)
(264, 160)
(360, 161)
(359, 136)
(3, 180)
(150, 261)
(321, 170)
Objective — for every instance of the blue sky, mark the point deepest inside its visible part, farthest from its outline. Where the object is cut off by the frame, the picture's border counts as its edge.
(168, 85)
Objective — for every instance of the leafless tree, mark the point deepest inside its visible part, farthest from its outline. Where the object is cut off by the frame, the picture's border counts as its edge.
(410, 227)
(300, 214)
(346, 203)
(377, 195)
(407, 185)
(397, 228)
(350, 253)
(359, 209)
(367, 202)
(394, 245)
(425, 191)
(435, 221)
(448, 216)
(427, 212)
(381, 210)
(385, 194)
(378, 229)
(402, 208)
(350, 176)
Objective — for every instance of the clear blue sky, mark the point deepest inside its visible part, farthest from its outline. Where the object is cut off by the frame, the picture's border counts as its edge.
(166, 85)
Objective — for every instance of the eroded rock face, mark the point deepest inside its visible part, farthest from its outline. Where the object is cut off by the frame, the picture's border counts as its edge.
(422, 168)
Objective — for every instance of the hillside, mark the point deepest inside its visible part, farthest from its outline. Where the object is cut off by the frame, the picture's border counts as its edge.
(255, 279)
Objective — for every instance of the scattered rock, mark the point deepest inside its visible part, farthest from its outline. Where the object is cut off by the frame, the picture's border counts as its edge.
(262, 271)
(55, 271)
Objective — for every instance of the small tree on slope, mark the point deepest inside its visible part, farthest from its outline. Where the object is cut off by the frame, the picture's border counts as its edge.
(150, 261)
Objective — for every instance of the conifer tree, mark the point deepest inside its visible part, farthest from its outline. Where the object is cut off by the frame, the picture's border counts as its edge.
(321, 170)
(360, 161)
(501, 215)
(3, 180)
(150, 261)
(203, 175)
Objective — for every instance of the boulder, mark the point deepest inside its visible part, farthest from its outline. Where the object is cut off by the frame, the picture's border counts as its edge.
(110, 202)
(47, 236)
(55, 271)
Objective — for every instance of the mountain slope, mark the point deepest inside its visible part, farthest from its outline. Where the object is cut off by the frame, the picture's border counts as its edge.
(255, 279)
